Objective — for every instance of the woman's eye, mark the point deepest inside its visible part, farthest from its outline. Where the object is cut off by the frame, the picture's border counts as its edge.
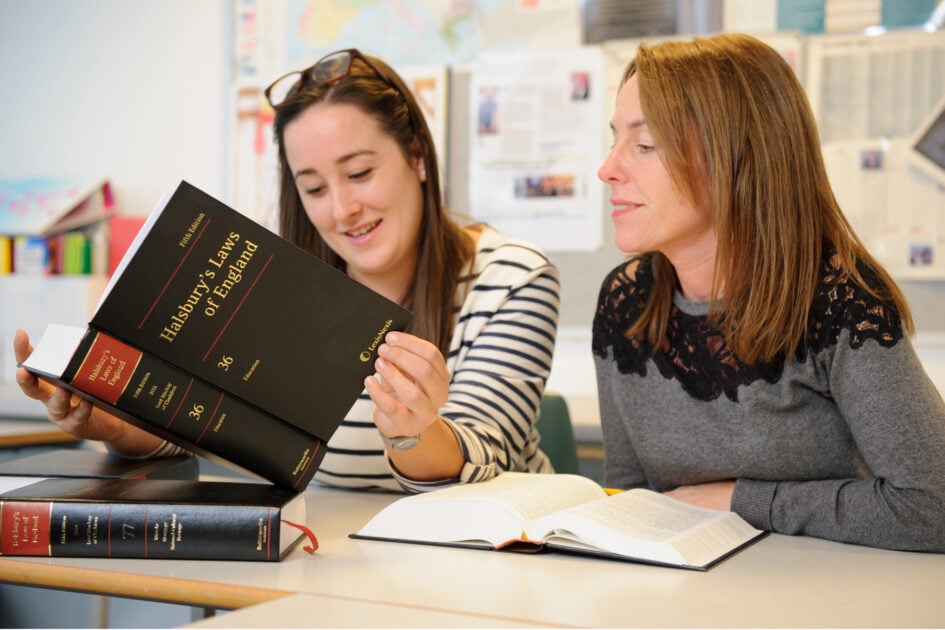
(645, 148)
(314, 191)
(360, 174)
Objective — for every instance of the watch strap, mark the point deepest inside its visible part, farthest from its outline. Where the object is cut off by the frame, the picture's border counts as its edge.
(402, 442)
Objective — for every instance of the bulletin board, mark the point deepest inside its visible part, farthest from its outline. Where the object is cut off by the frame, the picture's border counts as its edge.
(869, 95)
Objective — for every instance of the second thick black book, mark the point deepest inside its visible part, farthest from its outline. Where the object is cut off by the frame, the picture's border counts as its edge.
(151, 518)
(257, 322)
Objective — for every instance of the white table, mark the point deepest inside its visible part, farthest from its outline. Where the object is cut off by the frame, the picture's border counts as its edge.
(780, 581)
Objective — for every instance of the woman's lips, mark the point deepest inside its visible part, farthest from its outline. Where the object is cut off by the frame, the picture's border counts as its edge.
(622, 208)
(362, 230)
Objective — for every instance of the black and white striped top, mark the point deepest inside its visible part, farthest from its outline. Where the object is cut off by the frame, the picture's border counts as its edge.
(499, 360)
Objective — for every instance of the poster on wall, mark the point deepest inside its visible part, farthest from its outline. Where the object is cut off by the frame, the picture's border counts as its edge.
(870, 96)
(535, 142)
(421, 40)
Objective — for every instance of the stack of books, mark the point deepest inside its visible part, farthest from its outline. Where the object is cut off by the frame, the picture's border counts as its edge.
(205, 335)
(88, 503)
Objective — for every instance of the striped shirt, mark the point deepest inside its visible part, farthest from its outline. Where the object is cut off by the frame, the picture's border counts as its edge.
(499, 360)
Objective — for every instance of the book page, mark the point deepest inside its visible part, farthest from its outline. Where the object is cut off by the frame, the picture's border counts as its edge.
(54, 350)
(531, 495)
(10, 483)
(647, 525)
(135, 244)
(494, 511)
(294, 513)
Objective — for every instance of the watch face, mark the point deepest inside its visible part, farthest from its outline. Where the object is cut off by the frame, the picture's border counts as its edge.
(404, 443)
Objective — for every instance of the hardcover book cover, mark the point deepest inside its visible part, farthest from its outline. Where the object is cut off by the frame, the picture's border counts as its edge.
(220, 336)
(151, 518)
(216, 294)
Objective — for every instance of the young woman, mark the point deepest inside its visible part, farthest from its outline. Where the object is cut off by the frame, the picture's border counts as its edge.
(456, 397)
(751, 355)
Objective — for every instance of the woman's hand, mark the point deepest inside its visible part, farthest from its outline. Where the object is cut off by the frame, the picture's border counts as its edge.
(77, 416)
(716, 495)
(413, 385)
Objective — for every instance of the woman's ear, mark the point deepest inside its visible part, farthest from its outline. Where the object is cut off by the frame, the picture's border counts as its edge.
(421, 168)
(419, 165)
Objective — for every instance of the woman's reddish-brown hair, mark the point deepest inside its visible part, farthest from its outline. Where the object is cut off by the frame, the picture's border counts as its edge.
(444, 247)
(739, 139)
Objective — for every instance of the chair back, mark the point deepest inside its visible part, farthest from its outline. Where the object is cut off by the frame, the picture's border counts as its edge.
(557, 434)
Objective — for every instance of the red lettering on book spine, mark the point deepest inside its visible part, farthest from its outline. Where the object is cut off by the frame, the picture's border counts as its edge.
(107, 368)
(24, 528)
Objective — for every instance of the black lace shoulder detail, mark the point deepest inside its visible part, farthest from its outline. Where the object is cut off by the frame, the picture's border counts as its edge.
(843, 305)
(619, 304)
(697, 354)
(694, 353)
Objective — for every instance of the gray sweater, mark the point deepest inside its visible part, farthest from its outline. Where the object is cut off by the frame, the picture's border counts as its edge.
(844, 440)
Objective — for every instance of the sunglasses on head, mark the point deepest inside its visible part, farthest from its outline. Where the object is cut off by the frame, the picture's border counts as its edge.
(327, 70)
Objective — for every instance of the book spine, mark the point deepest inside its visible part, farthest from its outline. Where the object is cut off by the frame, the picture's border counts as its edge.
(169, 402)
(138, 530)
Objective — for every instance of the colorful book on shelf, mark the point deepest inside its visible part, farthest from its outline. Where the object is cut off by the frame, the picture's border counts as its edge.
(31, 256)
(6, 255)
(122, 231)
(77, 462)
(48, 206)
(220, 336)
(70, 253)
(570, 513)
(151, 518)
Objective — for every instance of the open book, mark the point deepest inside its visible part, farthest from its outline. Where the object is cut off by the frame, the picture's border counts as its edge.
(568, 513)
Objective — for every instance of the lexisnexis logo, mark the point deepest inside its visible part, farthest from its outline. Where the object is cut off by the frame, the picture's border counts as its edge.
(366, 355)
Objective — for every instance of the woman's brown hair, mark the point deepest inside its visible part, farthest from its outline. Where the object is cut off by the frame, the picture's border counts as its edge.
(444, 247)
(739, 139)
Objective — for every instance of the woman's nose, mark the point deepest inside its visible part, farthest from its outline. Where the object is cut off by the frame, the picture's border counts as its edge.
(343, 206)
(609, 171)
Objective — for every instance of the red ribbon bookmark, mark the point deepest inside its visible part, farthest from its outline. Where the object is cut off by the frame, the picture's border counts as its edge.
(308, 534)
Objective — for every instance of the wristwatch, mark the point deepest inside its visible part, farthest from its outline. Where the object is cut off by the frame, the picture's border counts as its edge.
(402, 442)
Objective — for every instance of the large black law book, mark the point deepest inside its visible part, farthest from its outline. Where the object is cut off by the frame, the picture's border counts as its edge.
(567, 513)
(150, 518)
(219, 335)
